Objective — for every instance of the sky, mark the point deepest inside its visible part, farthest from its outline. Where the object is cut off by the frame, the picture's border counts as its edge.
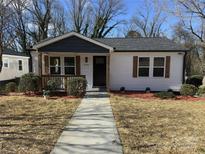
(132, 6)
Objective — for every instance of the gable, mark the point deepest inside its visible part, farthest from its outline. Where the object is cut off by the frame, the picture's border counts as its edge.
(73, 44)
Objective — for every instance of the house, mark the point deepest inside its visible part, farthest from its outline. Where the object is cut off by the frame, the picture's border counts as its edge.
(15, 64)
(133, 63)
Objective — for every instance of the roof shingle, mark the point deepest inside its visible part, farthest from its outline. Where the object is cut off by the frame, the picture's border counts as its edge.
(142, 44)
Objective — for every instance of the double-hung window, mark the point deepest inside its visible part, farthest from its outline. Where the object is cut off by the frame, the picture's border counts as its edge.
(144, 64)
(20, 65)
(69, 65)
(159, 67)
(55, 65)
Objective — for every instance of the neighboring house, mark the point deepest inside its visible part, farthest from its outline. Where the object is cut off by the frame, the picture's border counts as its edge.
(15, 64)
(133, 63)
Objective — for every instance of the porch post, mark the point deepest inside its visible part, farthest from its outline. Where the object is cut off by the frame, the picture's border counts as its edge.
(40, 68)
(108, 72)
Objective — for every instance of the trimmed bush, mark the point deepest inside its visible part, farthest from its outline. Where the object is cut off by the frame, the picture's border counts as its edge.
(201, 91)
(52, 85)
(11, 87)
(188, 90)
(165, 95)
(29, 83)
(77, 86)
(195, 80)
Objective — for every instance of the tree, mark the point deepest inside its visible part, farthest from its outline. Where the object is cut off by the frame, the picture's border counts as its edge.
(6, 28)
(80, 11)
(58, 21)
(105, 17)
(95, 18)
(192, 10)
(192, 15)
(149, 21)
(41, 18)
(193, 57)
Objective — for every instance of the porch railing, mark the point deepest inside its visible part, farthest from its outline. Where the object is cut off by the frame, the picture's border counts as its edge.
(61, 80)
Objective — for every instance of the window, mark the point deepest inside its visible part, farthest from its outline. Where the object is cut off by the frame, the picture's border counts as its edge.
(158, 70)
(69, 65)
(86, 59)
(144, 63)
(20, 65)
(6, 63)
(55, 67)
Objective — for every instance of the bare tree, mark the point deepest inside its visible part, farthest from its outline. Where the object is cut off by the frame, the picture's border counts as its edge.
(80, 12)
(194, 59)
(58, 21)
(6, 28)
(149, 21)
(41, 18)
(193, 11)
(105, 17)
(20, 22)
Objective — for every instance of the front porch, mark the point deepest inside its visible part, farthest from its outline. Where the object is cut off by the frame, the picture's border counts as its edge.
(64, 66)
(73, 55)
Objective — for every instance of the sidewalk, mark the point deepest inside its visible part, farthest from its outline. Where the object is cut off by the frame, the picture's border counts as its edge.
(92, 129)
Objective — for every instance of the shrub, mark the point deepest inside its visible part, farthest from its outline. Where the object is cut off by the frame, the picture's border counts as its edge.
(77, 86)
(11, 87)
(195, 80)
(165, 95)
(188, 90)
(170, 90)
(29, 83)
(122, 89)
(52, 85)
(201, 91)
(148, 89)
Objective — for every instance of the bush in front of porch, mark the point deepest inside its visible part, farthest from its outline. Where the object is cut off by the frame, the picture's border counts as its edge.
(77, 86)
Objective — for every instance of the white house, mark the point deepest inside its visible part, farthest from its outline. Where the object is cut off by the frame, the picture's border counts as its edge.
(133, 63)
(15, 64)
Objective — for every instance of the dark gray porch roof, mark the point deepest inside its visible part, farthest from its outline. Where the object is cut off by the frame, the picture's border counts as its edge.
(142, 44)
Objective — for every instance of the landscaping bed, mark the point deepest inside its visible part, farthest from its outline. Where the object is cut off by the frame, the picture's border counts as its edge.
(159, 126)
(151, 96)
(32, 124)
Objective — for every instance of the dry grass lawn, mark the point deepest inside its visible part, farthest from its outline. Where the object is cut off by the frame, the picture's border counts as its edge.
(160, 126)
(32, 124)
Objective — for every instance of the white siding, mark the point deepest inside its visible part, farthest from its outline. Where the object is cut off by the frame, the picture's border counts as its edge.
(121, 72)
(12, 71)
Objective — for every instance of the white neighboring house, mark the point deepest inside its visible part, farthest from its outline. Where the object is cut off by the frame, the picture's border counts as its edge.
(133, 63)
(15, 64)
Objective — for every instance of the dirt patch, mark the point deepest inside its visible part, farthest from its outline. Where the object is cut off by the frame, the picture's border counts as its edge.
(32, 124)
(160, 126)
(151, 96)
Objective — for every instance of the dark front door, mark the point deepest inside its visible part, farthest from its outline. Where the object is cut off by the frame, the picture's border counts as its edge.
(99, 71)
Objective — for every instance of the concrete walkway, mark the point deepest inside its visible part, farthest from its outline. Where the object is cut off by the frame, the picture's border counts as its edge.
(92, 129)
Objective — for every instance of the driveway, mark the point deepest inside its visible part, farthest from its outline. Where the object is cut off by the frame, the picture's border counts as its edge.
(92, 129)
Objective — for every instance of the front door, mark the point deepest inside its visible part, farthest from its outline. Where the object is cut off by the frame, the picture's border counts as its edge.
(99, 71)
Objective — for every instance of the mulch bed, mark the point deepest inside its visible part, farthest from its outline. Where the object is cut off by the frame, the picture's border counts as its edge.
(151, 96)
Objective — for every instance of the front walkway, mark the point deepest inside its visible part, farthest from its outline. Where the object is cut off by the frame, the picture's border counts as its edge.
(92, 129)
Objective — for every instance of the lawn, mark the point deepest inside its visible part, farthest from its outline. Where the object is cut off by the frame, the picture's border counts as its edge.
(32, 124)
(160, 126)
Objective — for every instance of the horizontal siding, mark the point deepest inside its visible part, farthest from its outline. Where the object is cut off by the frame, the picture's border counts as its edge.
(121, 73)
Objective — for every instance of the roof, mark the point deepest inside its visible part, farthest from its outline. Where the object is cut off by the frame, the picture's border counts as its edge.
(148, 44)
(142, 44)
(48, 41)
(14, 53)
